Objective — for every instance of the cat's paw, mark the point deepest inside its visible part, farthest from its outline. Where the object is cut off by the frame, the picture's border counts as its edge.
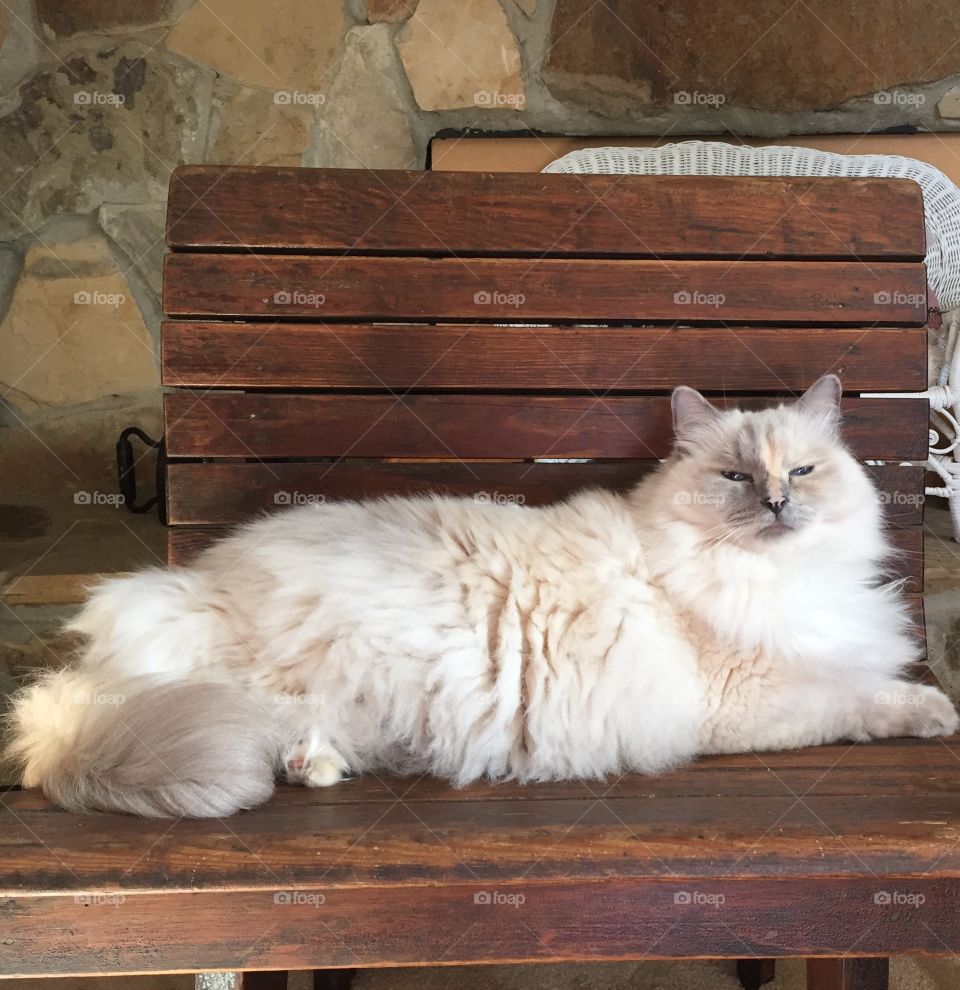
(314, 764)
(905, 709)
(324, 772)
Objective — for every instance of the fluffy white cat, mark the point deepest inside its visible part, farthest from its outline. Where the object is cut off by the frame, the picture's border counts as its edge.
(734, 601)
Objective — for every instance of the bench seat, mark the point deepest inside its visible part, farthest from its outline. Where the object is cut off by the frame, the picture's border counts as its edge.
(847, 848)
(340, 334)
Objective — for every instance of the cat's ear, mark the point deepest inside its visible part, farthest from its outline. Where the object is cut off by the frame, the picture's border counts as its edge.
(823, 398)
(691, 411)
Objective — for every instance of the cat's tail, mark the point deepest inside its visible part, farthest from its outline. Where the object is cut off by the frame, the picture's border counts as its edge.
(144, 745)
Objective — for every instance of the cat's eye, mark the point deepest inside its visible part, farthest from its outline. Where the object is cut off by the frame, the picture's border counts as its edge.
(735, 476)
(801, 471)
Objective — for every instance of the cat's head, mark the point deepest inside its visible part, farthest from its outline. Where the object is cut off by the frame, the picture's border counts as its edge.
(757, 478)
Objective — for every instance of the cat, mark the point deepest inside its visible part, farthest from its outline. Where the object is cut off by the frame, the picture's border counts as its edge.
(733, 601)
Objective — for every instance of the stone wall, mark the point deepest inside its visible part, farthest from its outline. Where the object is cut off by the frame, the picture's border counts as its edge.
(100, 99)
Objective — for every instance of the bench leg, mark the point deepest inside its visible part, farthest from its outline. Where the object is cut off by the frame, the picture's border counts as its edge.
(264, 980)
(332, 979)
(848, 974)
(754, 973)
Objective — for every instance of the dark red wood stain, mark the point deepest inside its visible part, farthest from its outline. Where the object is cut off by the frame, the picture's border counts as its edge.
(352, 287)
(337, 210)
(481, 357)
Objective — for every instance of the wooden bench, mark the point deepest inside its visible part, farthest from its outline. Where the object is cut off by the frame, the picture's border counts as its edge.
(337, 334)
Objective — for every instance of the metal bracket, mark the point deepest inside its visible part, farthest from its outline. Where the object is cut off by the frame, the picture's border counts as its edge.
(127, 478)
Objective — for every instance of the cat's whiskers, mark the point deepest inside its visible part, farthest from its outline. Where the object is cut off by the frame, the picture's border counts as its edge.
(731, 532)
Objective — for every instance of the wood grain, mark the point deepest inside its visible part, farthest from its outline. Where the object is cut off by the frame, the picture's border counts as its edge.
(605, 869)
(264, 425)
(47, 589)
(387, 925)
(798, 769)
(481, 290)
(880, 808)
(339, 210)
(225, 492)
(745, 359)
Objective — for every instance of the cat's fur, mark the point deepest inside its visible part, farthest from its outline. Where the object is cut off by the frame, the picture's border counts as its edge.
(603, 634)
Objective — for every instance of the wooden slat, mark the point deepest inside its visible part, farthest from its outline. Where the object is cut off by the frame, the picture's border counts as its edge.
(908, 563)
(227, 492)
(586, 290)
(663, 813)
(47, 589)
(751, 359)
(318, 926)
(915, 603)
(871, 818)
(356, 210)
(901, 490)
(800, 770)
(185, 542)
(915, 606)
(485, 427)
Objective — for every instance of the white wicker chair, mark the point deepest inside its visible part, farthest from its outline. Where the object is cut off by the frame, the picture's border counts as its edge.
(941, 200)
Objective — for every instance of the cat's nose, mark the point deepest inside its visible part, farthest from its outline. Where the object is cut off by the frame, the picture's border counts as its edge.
(775, 505)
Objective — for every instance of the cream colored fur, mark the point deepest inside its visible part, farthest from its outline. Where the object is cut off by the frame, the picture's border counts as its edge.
(596, 636)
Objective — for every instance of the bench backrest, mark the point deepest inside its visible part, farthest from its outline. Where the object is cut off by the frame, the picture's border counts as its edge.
(339, 333)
